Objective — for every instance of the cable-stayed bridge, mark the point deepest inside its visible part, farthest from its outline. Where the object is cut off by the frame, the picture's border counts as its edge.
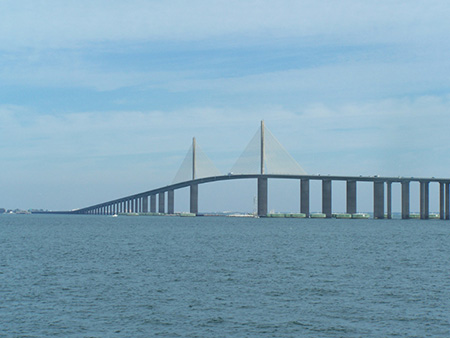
(265, 158)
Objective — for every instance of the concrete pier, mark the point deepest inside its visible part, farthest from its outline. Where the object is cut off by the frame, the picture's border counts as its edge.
(304, 197)
(145, 204)
(424, 200)
(171, 202)
(161, 203)
(447, 201)
(389, 200)
(153, 203)
(378, 200)
(405, 199)
(194, 199)
(441, 200)
(326, 198)
(262, 196)
(351, 197)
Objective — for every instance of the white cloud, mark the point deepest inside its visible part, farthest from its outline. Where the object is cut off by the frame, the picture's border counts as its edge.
(67, 23)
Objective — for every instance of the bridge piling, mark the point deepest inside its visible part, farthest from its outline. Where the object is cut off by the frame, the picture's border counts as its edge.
(351, 197)
(447, 201)
(145, 204)
(424, 200)
(441, 200)
(405, 199)
(193, 207)
(304, 197)
(161, 203)
(326, 198)
(389, 200)
(262, 196)
(153, 203)
(171, 202)
(378, 200)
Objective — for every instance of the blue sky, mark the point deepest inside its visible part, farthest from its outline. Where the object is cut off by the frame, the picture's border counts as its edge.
(100, 99)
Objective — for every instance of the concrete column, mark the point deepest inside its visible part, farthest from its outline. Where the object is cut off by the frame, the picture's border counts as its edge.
(326, 198)
(262, 196)
(145, 204)
(304, 196)
(441, 200)
(389, 200)
(378, 200)
(447, 201)
(351, 197)
(171, 202)
(153, 203)
(161, 203)
(193, 207)
(405, 200)
(424, 200)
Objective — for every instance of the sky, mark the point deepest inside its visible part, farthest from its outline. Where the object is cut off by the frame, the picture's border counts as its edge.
(100, 99)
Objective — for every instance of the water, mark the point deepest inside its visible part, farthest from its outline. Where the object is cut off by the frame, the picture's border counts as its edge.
(96, 276)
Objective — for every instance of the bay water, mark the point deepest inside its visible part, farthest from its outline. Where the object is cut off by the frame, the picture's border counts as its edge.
(100, 276)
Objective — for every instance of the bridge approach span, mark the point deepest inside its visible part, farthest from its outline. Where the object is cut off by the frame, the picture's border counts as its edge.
(382, 195)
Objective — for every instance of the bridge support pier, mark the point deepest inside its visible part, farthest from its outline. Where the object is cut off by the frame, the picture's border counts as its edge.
(171, 202)
(378, 200)
(262, 196)
(161, 203)
(351, 197)
(441, 200)
(194, 199)
(145, 204)
(389, 200)
(405, 200)
(447, 201)
(424, 200)
(304, 197)
(326, 198)
(153, 203)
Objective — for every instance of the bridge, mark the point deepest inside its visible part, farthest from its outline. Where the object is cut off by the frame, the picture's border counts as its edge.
(263, 159)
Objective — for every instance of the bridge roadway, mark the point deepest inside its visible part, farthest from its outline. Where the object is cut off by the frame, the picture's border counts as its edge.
(140, 203)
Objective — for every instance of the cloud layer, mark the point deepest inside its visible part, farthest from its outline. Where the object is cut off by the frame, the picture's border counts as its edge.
(101, 98)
